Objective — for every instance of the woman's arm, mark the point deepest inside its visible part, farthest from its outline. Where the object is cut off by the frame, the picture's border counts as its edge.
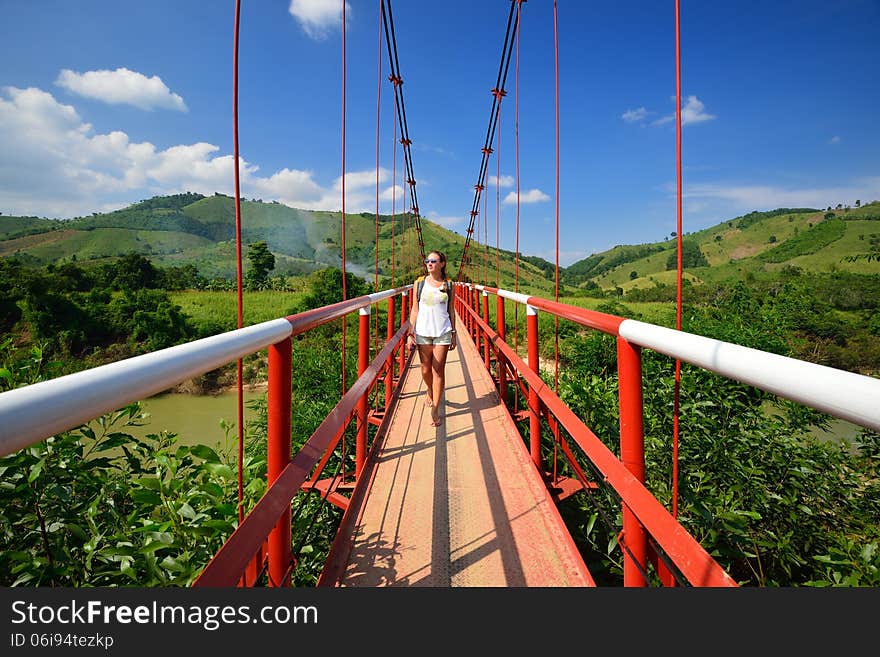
(413, 316)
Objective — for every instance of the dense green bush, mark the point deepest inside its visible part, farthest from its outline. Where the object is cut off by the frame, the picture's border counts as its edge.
(773, 504)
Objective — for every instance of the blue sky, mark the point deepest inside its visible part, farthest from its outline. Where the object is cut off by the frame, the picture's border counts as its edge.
(104, 103)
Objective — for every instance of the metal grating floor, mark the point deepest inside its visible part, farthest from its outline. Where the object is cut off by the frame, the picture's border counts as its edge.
(459, 505)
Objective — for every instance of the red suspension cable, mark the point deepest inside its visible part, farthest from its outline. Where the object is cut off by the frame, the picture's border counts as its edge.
(556, 317)
(516, 147)
(498, 206)
(238, 257)
(393, 187)
(378, 116)
(344, 292)
(678, 232)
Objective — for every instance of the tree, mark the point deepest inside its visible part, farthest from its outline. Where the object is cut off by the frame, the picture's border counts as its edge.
(262, 262)
(325, 288)
(691, 256)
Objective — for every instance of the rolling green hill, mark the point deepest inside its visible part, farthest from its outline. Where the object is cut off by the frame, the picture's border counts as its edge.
(759, 243)
(194, 229)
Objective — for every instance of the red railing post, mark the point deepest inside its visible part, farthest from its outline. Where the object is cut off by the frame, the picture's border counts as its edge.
(534, 402)
(360, 451)
(632, 454)
(475, 306)
(278, 452)
(486, 335)
(405, 308)
(389, 364)
(502, 362)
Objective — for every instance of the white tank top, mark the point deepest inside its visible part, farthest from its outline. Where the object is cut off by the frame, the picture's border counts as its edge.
(433, 318)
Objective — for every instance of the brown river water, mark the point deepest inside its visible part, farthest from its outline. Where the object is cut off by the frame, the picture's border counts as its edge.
(196, 419)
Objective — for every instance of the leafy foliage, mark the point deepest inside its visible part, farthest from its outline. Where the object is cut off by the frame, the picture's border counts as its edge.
(325, 288)
(810, 241)
(691, 256)
(262, 262)
(774, 505)
(98, 507)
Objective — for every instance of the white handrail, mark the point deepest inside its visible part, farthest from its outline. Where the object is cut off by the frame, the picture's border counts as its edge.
(34, 412)
(843, 394)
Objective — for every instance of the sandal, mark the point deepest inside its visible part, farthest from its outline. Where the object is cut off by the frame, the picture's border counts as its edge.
(429, 402)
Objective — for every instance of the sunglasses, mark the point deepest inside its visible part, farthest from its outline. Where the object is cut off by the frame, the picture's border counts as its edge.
(434, 260)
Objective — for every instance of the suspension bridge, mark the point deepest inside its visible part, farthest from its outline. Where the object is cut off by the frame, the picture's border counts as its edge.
(474, 501)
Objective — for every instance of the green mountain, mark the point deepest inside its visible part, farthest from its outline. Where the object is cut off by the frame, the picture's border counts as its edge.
(194, 229)
(759, 243)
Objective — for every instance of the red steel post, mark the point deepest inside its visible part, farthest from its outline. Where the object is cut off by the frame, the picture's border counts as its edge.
(475, 306)
(486, 335)
(632, 454)
(389, 364)
(278, 452)
(502, 361)
(534, 402)
(360, 451)
(405, 308)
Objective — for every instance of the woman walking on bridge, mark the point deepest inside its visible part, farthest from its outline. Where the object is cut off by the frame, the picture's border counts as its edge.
(432, 326)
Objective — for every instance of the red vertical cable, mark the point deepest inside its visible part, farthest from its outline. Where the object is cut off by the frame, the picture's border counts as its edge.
(238, 258)
(403, 224)
(678, 280)
(516, 140)
(556, 71)
(378, 116)
(344, 296)
(393, 190)
(498, 205)
(486, 239)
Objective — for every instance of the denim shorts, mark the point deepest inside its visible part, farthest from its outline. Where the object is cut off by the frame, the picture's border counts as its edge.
(446, 338)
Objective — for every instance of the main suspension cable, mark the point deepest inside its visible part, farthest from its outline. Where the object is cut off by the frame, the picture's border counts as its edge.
(397, 80)
(498, 93)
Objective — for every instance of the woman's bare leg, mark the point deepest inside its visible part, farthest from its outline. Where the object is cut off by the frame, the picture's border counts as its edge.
(438, 364)
(426, 358)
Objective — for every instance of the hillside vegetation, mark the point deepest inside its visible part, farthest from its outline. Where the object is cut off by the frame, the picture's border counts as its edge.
(758, 243)
(191, 229)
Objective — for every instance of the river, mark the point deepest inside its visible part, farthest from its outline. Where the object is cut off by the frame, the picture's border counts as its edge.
(196, 418)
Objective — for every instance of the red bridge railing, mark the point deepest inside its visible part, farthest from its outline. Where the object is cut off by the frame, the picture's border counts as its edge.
(261, 544)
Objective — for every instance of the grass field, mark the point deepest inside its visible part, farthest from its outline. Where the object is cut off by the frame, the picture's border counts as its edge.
(221, 308)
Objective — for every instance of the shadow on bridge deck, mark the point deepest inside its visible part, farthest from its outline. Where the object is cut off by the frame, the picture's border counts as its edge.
(459, 505)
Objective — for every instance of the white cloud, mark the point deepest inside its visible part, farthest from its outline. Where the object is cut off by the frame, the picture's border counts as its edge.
(693, 111)
(766, 197)
(393, 194)
(531, 196)
(834, 140)
(446, 222)
(318, 17)
(52, 164)
(122, 87)
(634, 116)
(506, 181)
